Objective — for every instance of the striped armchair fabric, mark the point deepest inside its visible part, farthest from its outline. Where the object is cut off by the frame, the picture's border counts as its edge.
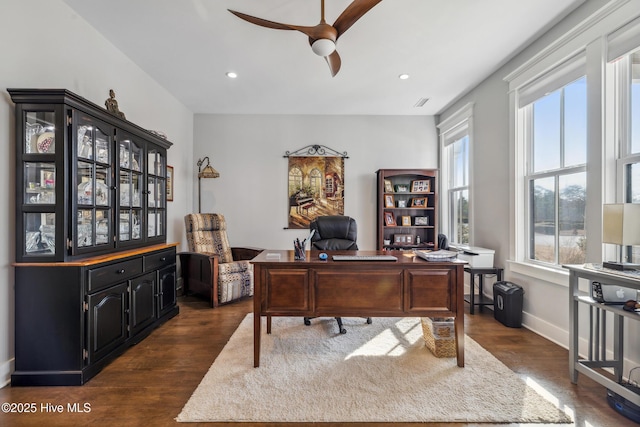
(230, 278)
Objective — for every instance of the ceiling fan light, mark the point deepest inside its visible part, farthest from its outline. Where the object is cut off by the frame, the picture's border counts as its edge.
(323, 47)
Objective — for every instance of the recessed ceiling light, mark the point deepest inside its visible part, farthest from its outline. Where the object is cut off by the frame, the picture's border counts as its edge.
(231, 75)
(403, 76)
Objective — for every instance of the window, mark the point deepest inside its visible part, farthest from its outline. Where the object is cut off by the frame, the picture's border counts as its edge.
(627, 75)
(458, 190)
(315, 180)
(556, 143)
(295, 180)
(455, 160)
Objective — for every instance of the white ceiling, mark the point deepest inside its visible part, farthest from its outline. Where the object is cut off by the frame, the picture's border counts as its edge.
(447, 47)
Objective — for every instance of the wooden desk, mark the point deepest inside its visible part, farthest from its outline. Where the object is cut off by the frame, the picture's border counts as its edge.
(409, 287)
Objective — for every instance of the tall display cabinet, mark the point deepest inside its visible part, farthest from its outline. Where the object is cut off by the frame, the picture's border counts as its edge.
(407, 209)
(93, 271)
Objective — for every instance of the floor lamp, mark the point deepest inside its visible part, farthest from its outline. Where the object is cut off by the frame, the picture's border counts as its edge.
(621, 226)
(207, 172)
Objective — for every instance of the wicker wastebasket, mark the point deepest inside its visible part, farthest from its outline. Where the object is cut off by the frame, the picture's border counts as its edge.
(439, 335)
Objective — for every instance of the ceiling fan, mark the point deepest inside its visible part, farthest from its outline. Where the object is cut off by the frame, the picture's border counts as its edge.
(322, 37)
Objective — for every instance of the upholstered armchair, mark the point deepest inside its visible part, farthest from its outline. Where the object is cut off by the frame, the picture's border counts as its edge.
(212, 268)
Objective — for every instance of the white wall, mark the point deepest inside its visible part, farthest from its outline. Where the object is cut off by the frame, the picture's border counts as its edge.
(252, 189)
(546, 298)
(44, 44)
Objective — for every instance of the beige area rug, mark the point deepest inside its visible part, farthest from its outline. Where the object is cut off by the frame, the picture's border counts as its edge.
(373, 373)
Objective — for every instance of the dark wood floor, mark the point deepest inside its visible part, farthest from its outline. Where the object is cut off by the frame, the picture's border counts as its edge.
(150, 383)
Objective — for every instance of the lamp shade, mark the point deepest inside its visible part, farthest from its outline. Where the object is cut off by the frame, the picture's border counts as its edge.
(208, 172)
(621, 224)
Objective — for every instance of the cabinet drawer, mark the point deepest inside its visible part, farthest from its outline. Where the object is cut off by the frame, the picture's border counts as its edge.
(108, 275)
(159, 260)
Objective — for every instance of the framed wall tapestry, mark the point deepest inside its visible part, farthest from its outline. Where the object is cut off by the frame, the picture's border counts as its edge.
(315, 184)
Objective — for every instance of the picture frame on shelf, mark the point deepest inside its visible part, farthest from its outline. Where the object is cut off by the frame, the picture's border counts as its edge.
(401, 203)
(421, 220)
(389, 219)
(402, 188)
(388, 186)
(406, 221)
(419, 202)
(403, 239)
(169, 183)
(420, 186)
(389, 201)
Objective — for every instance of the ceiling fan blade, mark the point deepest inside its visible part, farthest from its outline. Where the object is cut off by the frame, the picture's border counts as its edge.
(271, 24)
(334, 62)
(260, 21)
(352, 13)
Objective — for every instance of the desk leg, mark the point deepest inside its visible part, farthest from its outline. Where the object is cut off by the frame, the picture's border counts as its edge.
(256, 339)
(573, 327)
(459, 327)
(257, 314)
(472, 286)
(480, 290)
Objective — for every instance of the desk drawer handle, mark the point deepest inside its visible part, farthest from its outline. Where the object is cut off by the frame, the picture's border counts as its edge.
(121, 271)
(164, 258)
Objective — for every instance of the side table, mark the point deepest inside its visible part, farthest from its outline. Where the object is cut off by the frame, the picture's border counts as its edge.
(480, 272)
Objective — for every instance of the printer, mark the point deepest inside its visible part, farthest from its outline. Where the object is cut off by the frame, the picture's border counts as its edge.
(476, 257)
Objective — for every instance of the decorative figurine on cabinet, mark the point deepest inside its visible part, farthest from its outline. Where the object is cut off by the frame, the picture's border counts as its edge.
(112, 105)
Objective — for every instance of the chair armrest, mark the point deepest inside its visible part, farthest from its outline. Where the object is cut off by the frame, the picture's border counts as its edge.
(200, 274)
(243, 254)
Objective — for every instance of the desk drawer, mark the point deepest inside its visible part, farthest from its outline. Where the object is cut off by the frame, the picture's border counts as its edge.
(112, 274)
(159, 260)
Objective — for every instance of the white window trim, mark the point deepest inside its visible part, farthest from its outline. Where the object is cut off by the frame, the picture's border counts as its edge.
(452, 128)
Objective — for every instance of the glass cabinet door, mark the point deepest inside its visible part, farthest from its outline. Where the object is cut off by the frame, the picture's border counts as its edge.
(130, 167)
(156, 187)
(93, 184)
(39, 183)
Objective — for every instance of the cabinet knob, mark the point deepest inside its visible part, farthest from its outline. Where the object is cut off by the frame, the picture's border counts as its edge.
(164, 258)
(121, 271)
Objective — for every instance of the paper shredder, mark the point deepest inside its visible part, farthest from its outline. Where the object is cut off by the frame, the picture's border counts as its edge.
(507, 303)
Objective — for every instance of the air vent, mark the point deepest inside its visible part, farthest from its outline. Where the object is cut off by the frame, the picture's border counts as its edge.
(421, 102)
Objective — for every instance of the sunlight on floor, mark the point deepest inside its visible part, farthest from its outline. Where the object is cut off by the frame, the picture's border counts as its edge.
(390, 342)
(551, 398)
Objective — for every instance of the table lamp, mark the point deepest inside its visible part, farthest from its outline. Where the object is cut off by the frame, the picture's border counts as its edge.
(621, 226)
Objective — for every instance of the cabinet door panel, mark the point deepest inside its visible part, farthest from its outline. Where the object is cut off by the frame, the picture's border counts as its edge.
(431, 290)
(107, 320)
(287, 288)
(143, 302)
(167, 285)
(338, 292)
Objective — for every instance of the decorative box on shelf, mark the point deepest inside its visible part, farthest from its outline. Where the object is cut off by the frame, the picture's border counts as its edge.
(439, 335)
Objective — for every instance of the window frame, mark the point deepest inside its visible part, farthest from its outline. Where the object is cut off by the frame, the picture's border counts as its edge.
(453, 129)
(527, 118)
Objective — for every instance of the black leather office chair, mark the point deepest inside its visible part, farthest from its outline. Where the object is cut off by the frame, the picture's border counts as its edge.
(334, 233)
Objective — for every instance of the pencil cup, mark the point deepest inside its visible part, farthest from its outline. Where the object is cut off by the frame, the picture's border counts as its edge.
(299, 253)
